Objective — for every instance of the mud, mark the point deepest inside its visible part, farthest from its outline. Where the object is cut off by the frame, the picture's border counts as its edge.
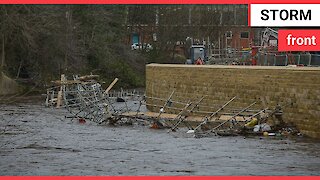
(40, 141)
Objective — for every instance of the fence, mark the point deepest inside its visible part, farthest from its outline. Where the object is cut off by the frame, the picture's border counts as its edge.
(263, 59)
(271, 59)
(229, 56)
(126, 93)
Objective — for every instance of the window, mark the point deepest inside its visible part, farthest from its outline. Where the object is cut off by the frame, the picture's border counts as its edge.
(244, 35)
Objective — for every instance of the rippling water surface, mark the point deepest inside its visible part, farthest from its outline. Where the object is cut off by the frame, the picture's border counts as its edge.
(39, 141)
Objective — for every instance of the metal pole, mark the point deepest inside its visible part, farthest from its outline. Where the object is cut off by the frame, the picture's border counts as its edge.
(219, 47)
(180, 114)
(232, 117)
(266, 59)
(309, 59)
(254, 115)
(165, 104)
(206, 119)
(286, 63)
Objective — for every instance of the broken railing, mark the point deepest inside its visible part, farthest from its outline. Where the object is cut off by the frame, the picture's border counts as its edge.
(82, 96)
(85, 99)
(222, 119)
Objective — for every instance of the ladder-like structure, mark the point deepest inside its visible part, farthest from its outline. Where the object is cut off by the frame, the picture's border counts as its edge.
(83, 97)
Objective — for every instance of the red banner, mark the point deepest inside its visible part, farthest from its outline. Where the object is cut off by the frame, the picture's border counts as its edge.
(298, 40)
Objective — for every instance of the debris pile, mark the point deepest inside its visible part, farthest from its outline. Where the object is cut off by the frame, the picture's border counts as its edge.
(85, 99)
(223, 121)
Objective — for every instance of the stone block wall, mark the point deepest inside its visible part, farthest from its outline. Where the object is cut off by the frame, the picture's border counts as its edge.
(266, 85)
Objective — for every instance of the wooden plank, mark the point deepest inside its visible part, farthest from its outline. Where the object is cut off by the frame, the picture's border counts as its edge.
(88, 77)
(66, 82)
(111, 85)
(189, 118)
(59, 100)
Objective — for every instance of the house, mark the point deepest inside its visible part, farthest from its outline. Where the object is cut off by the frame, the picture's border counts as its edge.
(220, 26)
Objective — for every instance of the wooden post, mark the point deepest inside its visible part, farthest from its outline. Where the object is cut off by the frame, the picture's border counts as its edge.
(47, 99)
(59, 99)
(52, 98)
(111, 85)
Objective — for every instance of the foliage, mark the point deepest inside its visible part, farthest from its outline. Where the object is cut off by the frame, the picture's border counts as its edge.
(42, 42)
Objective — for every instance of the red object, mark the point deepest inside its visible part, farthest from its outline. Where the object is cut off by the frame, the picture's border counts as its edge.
(298, 40)
(254, 51)
(199, 61)
(154, 126)
(82, 121)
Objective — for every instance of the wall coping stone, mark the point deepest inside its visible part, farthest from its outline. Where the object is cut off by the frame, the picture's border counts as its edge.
(236, 67)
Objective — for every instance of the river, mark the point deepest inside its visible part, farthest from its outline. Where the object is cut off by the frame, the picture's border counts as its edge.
(36, 140)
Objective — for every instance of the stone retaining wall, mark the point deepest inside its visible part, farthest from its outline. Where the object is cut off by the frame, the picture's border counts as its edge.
(267, 85)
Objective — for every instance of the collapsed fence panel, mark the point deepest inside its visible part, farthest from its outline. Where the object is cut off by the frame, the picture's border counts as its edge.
(85, 99)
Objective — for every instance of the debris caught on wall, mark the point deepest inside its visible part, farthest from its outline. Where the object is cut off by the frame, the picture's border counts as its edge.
(85, 100)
